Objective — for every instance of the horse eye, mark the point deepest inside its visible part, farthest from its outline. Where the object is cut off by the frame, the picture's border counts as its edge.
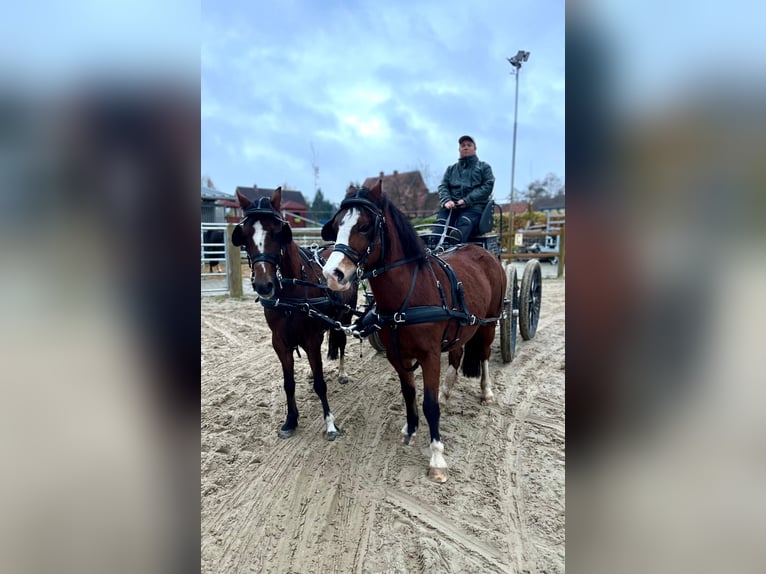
(364, 228)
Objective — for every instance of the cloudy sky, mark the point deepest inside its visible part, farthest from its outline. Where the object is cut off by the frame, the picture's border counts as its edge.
(360, 87)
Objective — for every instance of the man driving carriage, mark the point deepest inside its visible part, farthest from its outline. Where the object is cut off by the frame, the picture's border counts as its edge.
(464, 191)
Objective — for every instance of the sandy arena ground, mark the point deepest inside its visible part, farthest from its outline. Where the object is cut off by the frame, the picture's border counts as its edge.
(363, 503)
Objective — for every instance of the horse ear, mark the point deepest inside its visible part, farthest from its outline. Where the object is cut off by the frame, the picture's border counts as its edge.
(276, 198)
(328, 231)
(238, 236)
(377, 190)
(285, 234)
(244, 203)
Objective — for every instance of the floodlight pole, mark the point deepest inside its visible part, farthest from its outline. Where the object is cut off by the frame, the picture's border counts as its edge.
(515, 61)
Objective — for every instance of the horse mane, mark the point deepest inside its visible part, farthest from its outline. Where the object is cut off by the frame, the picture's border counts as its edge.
(412, 244)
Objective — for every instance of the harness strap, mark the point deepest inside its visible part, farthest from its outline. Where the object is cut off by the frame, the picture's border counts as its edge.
(430, 314)
(315, 254)
(308, 306)
(302, 283)
(380, 270)
(445, 342)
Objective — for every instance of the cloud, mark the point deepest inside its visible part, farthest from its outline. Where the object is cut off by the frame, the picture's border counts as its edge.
(381, 88)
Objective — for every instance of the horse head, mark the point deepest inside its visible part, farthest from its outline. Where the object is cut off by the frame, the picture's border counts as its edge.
(264, 234)
(357, 229)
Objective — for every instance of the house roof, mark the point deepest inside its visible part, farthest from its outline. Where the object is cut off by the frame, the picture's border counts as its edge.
(290, 205)
(255, 193)
(518, 207)
(549, 203)
(209, 193)
(407, 190)
(412, 179)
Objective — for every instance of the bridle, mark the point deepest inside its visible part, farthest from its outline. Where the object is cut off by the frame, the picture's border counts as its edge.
(258, 210)
(359, 199)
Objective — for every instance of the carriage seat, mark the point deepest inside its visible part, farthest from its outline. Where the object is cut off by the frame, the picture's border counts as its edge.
(487, 220)
(432, 238)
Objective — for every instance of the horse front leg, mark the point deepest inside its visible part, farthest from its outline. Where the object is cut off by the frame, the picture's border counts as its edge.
(437, 466)
(285, 355)
(487, 335)
(487, 396)
(342, 376)
(450, 377)
(314, 352)
(407, 381)
(337, 350)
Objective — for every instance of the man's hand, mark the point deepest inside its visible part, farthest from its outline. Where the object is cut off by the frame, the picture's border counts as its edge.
(452, 205)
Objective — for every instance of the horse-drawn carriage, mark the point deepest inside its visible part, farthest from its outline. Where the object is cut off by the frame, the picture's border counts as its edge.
(422, 299)
(521, 308)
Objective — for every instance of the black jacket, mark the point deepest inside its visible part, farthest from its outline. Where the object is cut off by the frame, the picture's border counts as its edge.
(469, 179)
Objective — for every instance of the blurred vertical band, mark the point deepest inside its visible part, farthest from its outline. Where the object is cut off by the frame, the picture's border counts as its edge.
(666, 143)
(99, 338)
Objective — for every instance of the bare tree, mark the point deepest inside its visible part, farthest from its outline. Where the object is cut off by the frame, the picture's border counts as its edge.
(207, 182)
(430, 177)
(548, 187)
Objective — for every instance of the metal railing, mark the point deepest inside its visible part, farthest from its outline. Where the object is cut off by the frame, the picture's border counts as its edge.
(213, 255)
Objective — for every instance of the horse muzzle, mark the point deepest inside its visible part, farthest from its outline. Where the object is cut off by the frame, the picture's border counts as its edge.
(338, 272)
(265, 290)
(337, 280)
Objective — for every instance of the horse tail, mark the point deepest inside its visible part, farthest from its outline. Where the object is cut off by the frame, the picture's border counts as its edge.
(472, 357)
(337, 343)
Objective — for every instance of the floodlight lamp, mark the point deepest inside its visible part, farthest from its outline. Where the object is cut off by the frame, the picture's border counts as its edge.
(521, 56)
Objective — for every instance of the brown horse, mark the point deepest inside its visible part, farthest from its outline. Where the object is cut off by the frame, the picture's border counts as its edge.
(425, 305)
(298, 305)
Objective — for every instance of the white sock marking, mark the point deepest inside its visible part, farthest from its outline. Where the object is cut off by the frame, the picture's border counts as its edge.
(330, 421)
(486, 385)
(437, 455)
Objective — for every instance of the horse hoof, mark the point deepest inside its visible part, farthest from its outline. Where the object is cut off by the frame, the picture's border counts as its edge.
(332, 435)
(343, 380)
(407, 439)
(285, 433)
(437, 474)
(487, 400)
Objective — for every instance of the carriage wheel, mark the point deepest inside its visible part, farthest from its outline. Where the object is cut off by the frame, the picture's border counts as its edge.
(375, 341)
(531, 294)
(510, 319)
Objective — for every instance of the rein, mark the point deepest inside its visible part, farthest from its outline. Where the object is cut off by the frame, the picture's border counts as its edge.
(309, 305)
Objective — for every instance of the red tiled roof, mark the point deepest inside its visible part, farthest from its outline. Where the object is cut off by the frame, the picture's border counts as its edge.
(293, 206)
(406, 190)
